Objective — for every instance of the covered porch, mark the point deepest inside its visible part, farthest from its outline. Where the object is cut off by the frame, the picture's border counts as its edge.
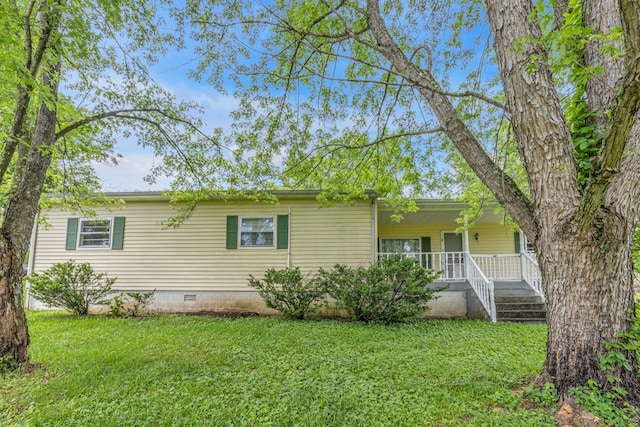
(478, 256)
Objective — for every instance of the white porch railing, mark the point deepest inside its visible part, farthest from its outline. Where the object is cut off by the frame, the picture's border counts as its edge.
(451, 265)
(531, 274)
(481, 271)
(482, 286)
(500, 267)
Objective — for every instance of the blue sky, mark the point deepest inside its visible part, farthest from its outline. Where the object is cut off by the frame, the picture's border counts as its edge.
(172, 73)
(136, 162)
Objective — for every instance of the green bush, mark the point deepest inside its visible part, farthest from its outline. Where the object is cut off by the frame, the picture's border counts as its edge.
(116, 306)
(392, 290)
(130, 303)
(71, 286)
(288, 291)
(138, 301)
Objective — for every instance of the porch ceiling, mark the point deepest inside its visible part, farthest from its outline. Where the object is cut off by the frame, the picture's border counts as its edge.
(441, 212)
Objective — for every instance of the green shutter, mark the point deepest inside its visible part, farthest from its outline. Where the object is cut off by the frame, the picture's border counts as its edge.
(72, 233)
(118, 233)
(425, 245)
(516, 238)
(283, 232)
(232, 232)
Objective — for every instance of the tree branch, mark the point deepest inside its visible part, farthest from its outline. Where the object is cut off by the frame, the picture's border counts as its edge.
(623, 118)
(119, 113)
(502, 186)
(543, 136)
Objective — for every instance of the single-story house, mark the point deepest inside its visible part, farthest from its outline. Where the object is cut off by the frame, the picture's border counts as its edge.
(204, 264)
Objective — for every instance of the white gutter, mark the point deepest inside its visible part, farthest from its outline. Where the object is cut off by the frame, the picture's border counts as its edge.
(32, 255)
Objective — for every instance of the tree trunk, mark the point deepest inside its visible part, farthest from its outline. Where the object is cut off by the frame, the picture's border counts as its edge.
(17, 226)
(589, 288)
(14, 336)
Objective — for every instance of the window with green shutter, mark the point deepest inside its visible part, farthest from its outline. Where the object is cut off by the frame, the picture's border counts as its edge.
(258, 232)
(90, 233)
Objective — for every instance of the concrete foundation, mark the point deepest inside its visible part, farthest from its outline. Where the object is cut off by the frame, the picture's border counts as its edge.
(458, 300)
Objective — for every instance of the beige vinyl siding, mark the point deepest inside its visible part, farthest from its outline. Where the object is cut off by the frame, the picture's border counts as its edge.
(493, 238)
(322, 237)
(194, 256)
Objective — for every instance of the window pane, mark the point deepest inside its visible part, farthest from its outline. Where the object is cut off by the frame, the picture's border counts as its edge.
(257, 224)
(400, 246)
(95, 233)
(256, 232)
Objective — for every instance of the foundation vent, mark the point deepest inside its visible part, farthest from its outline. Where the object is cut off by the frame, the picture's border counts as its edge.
(189, 297)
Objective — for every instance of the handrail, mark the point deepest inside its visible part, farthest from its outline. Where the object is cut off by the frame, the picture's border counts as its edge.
(450, 265)
(499, 266)
(531, 274)
(482, 286)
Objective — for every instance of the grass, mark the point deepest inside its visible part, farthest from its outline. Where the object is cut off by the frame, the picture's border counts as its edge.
(266, 371)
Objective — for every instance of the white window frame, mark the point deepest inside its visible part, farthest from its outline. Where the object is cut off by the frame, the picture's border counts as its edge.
(275, 231)
(85, 247)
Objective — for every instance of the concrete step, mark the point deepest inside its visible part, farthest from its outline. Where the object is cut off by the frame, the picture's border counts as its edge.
(522, 314)
(515, 299)
(520, 308)
(523, 320)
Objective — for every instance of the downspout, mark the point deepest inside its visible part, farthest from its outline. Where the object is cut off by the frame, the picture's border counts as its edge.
(32, 255)
(373, 230)
(289, 238)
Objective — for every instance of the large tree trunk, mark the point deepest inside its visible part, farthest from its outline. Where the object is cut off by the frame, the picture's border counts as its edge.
(14, 336)
(588, 278)
(17, 226)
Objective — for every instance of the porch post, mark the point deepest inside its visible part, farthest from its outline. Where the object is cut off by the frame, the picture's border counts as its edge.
(465, 248)
(523, 262)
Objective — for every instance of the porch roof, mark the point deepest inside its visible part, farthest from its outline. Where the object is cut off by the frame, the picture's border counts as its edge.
(438, 211)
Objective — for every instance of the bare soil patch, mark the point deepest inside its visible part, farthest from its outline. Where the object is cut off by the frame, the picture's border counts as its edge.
(223, 314)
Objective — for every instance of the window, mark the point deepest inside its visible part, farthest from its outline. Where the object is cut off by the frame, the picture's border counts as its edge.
(103, 233)
(94, 233)
(257, 232)
(400, 246)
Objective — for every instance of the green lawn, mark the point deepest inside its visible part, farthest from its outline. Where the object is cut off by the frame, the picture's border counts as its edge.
(190, 371)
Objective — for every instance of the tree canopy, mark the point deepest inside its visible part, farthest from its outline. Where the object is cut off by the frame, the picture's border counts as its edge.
(532, 103)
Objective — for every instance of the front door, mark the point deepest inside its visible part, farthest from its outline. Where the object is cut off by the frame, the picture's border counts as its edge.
(453, 259)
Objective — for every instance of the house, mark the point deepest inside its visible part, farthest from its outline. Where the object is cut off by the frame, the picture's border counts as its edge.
(203, 265)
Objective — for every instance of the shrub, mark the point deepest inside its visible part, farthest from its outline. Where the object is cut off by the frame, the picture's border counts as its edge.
(130, 303)
(392, 290)
(116, 306)
(139, 300)
(288, 291)
(71, 286)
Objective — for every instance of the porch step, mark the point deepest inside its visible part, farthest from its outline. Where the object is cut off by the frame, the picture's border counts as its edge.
(516, 308)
